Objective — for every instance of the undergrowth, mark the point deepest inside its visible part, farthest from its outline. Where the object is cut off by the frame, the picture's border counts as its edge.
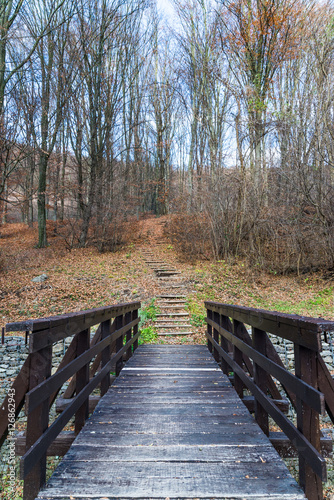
(147, 315)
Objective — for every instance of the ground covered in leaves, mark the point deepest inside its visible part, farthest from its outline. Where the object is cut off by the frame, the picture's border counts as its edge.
(80, 279)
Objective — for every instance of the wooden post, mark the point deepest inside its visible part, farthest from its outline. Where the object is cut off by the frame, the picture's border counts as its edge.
(105, 356)
(119, 344)
(260, 378)
(37, 421)
(135, 328)
(237, 356)
(308, 421)
(209, 313)
(82, 379)
(216, 319)
(127, 319)
(225, 323)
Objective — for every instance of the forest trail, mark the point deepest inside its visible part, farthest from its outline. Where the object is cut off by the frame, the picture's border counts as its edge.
(173, 320)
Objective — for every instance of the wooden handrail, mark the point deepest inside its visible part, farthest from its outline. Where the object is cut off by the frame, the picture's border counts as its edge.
(254, 363)
(39, 388)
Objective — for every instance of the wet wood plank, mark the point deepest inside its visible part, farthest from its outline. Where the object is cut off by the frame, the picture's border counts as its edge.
(171, 426)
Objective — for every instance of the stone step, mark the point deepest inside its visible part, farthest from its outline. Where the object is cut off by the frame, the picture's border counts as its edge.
(173, 306)
(174, 333)
(163, 270)
(167, 273)
(165, 303)
(169, 320)
(173, 314)
(172, 326)
(165, 296)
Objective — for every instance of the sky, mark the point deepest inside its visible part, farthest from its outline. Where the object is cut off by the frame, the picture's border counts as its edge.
(166, 7)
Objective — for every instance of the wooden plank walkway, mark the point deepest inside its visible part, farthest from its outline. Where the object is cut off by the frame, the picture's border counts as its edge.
(171, 427)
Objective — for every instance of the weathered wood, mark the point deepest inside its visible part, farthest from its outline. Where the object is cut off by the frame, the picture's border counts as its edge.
(238, 358)
(210, 316)
(310, 454)
(314, 398)
(271, 387)
(260, 378)
(46, 388)
(282, 404)
(59, 447)
(299, 329)
(308, 422)
(71, 386)
(105, 355)
(69, 356)
(227, 325)
(135, 328)
(41, 445)
(88, 318)
(37, 421)
(216, 318)
(119, 342)
(62, 403)
(285, 448)
(82, 379)
(171, 432)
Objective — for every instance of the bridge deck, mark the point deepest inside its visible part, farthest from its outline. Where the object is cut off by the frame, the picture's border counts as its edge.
(171, 427)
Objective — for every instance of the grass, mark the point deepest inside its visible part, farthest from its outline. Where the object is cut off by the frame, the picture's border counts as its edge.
(147, 315)
(237, 283)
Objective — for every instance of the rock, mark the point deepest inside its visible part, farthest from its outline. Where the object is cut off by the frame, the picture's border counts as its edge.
(40, 279)
(11, 372)
(326, 353)
(57, 348)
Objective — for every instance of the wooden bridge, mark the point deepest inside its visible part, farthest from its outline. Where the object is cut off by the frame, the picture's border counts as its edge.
(174, 423)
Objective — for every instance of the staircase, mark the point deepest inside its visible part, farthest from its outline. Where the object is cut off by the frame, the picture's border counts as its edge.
(173, 318)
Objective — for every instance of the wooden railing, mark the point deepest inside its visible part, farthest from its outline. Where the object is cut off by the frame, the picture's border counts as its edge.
(37, 388)
(254, 364)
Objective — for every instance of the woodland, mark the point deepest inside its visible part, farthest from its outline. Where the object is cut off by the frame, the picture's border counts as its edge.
(221, 117)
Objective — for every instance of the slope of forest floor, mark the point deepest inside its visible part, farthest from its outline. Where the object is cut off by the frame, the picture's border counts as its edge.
(80, 279)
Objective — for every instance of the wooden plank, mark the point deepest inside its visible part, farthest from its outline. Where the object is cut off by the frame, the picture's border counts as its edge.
(37, 422)
(86, 318)
(282, 404)
(39, 448)
(307, 392)
(63, 403)
(308, 423)
(172, 480)
(260, 378)
(82, 379)
(181, 434)
(299, 329)
(59, 447)
(105, 355)
(285, 448)
(310, 454)
(174, 453)
(71, 386)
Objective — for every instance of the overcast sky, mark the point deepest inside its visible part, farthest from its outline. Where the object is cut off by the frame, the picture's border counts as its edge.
(166, 7)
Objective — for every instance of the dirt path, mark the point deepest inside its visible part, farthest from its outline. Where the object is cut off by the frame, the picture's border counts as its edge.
(173, 321)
